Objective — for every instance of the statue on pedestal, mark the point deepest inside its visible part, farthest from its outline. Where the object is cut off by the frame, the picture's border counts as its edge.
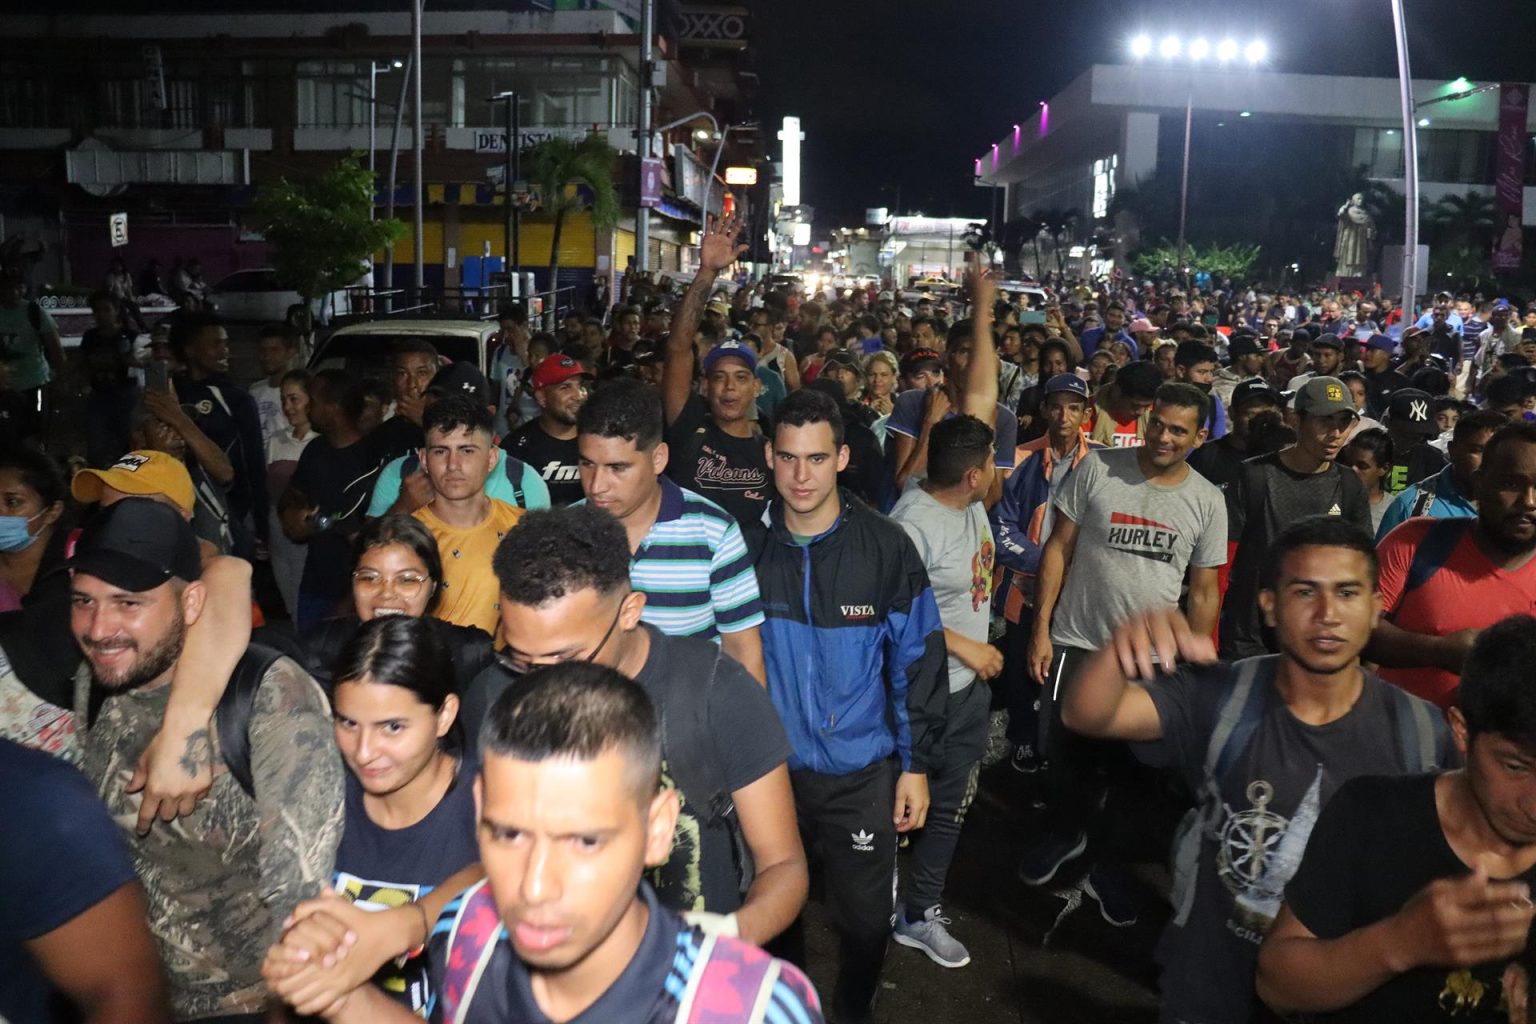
(1352, 244)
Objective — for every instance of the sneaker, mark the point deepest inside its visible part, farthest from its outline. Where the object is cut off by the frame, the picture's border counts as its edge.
(1025, 760)
(930, 936)
(1045, 858)
(1107, 886)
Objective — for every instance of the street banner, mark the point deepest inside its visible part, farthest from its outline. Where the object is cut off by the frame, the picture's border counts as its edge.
(1509, 176)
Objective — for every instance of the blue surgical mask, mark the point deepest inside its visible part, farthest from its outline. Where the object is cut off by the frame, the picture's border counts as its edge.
(13, 533)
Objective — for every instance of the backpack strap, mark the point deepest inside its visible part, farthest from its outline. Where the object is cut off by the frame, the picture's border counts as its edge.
(1416, 740)
(727, 965)
(690, 744)
(232, 717)
(411, 464)
(1238, 717)
(513, 467)
(1433, 551)
(471, 942)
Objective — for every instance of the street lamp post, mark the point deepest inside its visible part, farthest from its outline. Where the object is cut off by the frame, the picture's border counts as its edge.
(714, 167)
(512, 172)
(1410, 169)
(373, 115)
(1172, 48)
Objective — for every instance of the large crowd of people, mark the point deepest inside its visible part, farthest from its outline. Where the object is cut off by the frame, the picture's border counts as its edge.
(543, 690)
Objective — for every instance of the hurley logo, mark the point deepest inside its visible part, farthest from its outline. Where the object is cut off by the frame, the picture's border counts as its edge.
(131, 463)
(858, 611)
(864, 841)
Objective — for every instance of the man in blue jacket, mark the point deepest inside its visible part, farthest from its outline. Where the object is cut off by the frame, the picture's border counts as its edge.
(856, 667)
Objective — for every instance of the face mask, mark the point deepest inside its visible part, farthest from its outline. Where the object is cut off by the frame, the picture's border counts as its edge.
(13, 533)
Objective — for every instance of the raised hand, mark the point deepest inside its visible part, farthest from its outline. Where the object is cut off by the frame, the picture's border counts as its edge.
(719, 249)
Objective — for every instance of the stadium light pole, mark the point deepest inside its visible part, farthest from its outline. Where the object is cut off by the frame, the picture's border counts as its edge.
(1410, 268)
(1172, 48)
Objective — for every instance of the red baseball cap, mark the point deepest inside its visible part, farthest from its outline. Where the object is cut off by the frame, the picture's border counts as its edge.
(555, 369)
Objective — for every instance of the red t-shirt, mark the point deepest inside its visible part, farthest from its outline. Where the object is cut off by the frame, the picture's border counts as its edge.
(1467, 592)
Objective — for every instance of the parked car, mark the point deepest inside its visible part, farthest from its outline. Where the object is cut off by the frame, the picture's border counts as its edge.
(365, 347)
(255, 296)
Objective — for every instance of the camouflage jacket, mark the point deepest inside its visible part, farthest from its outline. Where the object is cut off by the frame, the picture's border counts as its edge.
(220, 881)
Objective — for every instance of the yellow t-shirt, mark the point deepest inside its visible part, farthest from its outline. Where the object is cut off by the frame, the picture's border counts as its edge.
(470, 594)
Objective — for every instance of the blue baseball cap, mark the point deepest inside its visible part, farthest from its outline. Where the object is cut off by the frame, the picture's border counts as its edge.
(1067, 382)
(730, 350)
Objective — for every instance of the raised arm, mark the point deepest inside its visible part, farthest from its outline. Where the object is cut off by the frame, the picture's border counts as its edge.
(717, 250)
(978, 395)
(164, 406)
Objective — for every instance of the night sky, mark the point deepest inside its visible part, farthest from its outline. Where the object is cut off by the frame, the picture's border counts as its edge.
(896, 92)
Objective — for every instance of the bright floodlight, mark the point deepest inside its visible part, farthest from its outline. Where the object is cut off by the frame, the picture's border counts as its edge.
(1169, 48)
(1256, 51)
(1141, 47)
(1226, 50)
(1423, 122)
(1199, 49)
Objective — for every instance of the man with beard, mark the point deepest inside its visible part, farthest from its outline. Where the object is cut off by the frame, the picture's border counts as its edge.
(221, 879)
(1264, 743)
(1247, 356)
(548, 444)
(1275, 490)
(1327, 354)
(1443, 580)
(716, 450)
(1221, 462)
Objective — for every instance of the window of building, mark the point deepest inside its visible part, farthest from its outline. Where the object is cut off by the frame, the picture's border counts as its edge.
(331, 94)
(26, 101)
(1445, 155)
(552, 91)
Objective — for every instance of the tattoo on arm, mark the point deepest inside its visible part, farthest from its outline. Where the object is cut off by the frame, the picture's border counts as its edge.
(199, 753)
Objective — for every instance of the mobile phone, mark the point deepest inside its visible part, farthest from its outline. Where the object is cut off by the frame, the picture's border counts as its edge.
(1031, 316)
(158, 375)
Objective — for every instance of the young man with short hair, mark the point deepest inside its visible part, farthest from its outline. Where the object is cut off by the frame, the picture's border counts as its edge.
(1221, 462)
(1444, 580)
(852, 625)
(716, 450)
(686, 553)
(277, 346)
(221, 879)
(548, 443)
(1264, 743)
(1195, 363)
(566, 596)
(467, 524)
(947, 522)
(1118, 418)
(1413, 900)
(571, 814)
(508, 370)
(1129, 527)
(414, 364)
(1273, 490)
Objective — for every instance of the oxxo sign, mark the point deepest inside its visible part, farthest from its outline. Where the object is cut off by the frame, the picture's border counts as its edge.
(724, 27)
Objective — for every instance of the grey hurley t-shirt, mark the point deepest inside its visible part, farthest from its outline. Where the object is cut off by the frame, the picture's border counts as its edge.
(1135, 539)
(957, 550)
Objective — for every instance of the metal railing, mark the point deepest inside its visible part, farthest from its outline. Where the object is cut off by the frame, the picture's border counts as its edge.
(545, 309)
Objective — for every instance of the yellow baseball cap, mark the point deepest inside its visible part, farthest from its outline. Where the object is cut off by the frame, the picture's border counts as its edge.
(141, 473)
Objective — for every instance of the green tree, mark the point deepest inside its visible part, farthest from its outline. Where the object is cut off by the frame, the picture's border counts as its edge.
(1058, 223)
(321, 229)
(556, 163)
(1461, 221)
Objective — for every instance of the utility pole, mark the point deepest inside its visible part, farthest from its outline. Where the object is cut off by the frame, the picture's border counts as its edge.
(512, 171)
(394, 173)
(643, 212)
(417, 241)
(1410, 169)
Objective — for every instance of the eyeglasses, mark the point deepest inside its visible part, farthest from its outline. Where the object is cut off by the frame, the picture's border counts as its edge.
(520, 664)
(407, 584)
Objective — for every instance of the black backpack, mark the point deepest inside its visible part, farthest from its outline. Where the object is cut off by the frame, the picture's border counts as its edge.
(685, 730)
(232, 717)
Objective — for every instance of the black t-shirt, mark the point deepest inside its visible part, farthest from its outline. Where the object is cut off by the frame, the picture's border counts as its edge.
(1378, 842)
(730, 471)
(382, 868)
(1271, 797)
(339, 482)
(1220, 462)
(227, 413)
(556, 461)
(749, 743)
(1410, 465)
(1266, 497)
(1379, 387)
(395, 437)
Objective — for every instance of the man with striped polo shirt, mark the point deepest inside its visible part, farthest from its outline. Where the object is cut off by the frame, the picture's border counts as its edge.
(686, 553)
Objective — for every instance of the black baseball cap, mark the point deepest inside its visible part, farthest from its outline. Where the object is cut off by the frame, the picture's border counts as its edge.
(919, 358)
(462, 377)
(1413, 411)
(1256, 389)
(1244, 345)
(1328, 340)
(137, 544)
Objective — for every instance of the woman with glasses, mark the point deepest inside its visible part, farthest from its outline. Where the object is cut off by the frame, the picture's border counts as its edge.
(398, 572)
(410, 805)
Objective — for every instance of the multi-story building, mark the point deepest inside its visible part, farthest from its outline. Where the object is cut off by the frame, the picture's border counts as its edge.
(178, 117)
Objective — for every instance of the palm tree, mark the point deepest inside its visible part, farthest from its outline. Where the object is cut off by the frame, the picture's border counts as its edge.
(1463, 221)
(555, 165)
(1058, 223)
